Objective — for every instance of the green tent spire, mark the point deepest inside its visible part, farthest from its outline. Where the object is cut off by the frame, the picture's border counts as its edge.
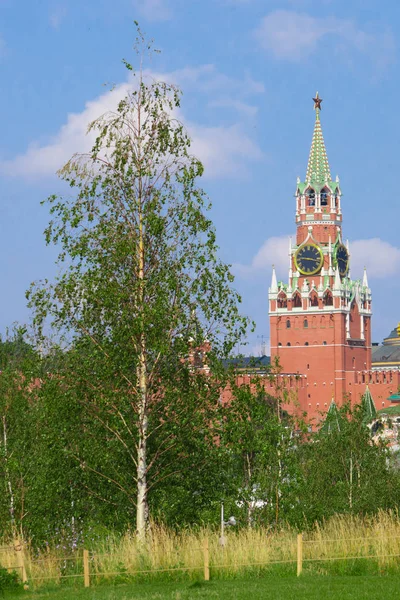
(318, 171)
(368, 406)
(333, 419)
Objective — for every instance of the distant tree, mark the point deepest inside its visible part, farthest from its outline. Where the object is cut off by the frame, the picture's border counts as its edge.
(19, 371)
(14, 349)
(141, 290)
(344, 471)
(261, 440)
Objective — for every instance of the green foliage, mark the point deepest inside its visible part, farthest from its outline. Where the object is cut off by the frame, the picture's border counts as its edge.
(20, 369)
(14, 350)
(343, 471)
(260, 441)
(140, 290)
(9, 581)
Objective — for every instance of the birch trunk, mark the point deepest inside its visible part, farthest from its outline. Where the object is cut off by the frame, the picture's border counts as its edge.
(141, 507)
(8, 479)
(143, 423)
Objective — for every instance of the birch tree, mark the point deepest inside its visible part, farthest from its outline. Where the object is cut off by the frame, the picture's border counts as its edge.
(142, 298)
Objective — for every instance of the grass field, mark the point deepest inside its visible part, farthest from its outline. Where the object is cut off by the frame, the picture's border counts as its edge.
(345, 557)
(360, 546)
(277, 588)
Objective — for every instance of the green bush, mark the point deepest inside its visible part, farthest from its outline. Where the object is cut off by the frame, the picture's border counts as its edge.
(9, 581)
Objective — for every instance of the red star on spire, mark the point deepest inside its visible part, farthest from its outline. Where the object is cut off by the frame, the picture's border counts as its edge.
(317, 102)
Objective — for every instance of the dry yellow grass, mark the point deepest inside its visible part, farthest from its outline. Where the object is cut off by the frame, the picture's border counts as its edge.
(172, 553)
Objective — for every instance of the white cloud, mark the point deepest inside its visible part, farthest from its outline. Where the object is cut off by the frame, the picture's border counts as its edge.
(57, 15)
(207, 79)
(247, 110)
(44, 160)
(153, 10)
(274, 251)
(379, 257)
(293, 36)
(224, 150)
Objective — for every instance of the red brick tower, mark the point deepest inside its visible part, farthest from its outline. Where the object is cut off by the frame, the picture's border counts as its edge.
(320, 320)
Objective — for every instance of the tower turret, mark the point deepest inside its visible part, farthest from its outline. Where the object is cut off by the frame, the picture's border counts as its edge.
(318, 196)
(320, 319)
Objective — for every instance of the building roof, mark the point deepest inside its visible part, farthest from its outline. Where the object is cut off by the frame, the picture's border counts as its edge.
(389, 352)
(394, 398)
(247, 363)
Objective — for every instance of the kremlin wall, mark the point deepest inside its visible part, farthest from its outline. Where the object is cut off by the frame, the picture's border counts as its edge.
(320, 318)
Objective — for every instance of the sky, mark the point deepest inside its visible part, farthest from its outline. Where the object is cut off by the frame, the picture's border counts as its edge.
(248, 70)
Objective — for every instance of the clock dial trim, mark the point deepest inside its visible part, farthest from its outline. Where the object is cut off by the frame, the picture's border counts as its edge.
(342, 248)
(319, 259)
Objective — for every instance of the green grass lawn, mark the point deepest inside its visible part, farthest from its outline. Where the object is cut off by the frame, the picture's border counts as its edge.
(277, 588)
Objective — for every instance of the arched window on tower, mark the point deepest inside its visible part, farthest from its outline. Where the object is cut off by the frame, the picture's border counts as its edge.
(328, 298)
(282, 300)
(288, 324)
(313, 299)
(296, 303)
(324, 197)
(305, 324)
(310, 197)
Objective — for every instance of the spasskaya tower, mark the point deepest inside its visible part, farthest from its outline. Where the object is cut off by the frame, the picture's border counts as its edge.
(320, 319)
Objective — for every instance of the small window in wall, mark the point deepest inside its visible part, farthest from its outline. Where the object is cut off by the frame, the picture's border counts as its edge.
(354, 362)
(308, 366)
(280, 344)
(288, 344)
(324, 343)
(288, 324)
(305, 323)
(306, 343)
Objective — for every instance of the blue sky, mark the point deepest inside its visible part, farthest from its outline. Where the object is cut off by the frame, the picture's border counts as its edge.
(248, 70)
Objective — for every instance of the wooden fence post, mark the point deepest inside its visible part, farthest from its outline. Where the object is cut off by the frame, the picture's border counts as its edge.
(299, 554)
(86, 574)
(206, 560)
(19, 553)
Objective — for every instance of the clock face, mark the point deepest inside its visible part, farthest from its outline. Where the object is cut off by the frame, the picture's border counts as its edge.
(342, 259)
(309, 259)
